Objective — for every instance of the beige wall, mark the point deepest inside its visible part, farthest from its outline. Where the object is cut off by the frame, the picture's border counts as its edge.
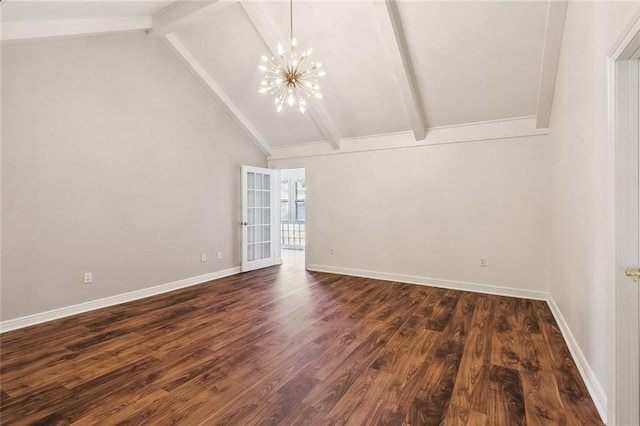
(582, 215)
(434, 211)
(114, 161)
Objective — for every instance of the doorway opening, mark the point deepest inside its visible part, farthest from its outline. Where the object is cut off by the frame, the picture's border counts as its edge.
(293, 216)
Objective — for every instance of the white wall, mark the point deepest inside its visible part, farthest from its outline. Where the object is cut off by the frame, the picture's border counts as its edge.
(114, 161)
(433, 211)
(581, 179)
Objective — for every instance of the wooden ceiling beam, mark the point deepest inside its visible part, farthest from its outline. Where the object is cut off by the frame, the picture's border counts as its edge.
(556, 13)
(30, 30)
(396, 45)
(184, 13)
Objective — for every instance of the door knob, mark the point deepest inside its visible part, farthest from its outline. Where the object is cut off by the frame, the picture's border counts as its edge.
(633, 273)
(244, 223)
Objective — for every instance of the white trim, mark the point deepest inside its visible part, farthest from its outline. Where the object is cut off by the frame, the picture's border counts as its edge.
(71, 27)
(400, 60)
(627, 43)
(433, 282)
(596, 391)
(200, 73)
(556, 13)
(29, 320)
(613, 242)
(471, 132)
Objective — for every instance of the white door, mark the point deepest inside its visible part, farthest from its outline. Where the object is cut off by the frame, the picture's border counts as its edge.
(627, 410)
(259, 219)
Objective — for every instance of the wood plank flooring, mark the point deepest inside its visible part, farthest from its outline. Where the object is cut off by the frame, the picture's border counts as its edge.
(286, 346)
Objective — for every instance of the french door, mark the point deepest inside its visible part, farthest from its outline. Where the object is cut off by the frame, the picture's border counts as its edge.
(259, 218)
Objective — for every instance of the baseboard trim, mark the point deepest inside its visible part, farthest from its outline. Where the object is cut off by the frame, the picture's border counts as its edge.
(34, 319)
(433, 282)
(596, 391)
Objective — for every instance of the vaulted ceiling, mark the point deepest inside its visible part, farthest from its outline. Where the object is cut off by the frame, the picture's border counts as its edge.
(393, 67)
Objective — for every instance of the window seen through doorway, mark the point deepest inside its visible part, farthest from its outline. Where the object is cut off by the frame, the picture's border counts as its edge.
(293, 208)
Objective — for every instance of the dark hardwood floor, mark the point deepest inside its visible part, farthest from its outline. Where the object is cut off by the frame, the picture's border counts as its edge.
(285, 346)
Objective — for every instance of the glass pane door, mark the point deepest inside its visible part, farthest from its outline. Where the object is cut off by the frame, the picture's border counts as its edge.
(258, 217)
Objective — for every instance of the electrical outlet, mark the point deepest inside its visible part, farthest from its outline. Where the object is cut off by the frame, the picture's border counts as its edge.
(483, 262)
(88, 277)
(203, 257)
(219, 255)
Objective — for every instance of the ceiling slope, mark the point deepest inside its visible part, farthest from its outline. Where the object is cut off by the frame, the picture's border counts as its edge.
(475, 61)
(198, 71)
(394, 67)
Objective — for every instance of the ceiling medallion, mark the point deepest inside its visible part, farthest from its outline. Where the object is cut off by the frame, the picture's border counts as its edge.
(290, 77)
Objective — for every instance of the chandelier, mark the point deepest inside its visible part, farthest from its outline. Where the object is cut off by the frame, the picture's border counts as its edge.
(293, 77)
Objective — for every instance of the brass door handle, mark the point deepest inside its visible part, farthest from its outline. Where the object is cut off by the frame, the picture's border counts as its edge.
(633, 273)
(244, 223)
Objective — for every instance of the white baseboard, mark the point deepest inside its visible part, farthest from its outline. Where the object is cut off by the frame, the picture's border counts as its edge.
(596, 391)
(433, 282)
(598, 395)
(34, 319)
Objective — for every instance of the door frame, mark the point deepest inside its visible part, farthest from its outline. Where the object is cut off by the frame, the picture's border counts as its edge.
(295, 163)
(293, 207)
(622, 116)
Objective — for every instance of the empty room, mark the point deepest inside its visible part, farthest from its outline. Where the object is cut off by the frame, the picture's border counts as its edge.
(318, 212)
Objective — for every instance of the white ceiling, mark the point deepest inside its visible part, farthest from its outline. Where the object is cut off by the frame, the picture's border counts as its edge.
(392, 67)
(475, 61)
